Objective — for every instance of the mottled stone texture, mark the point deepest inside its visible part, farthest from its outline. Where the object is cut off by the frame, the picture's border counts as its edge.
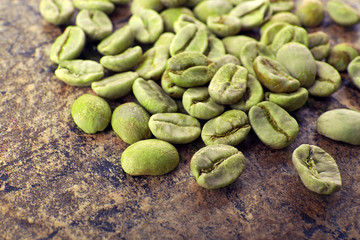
(57, 182)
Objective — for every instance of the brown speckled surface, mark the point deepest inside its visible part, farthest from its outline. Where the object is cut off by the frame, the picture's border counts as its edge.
(58, 183)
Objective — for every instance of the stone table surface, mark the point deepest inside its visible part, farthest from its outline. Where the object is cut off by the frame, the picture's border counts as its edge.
(56, 182)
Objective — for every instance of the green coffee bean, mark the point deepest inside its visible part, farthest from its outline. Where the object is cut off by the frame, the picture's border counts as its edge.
(91, 113)
(354, 71)
(215, 48)
(310, 12)
(198, 103)
(267, 37)
(130, 122)
(318, 171)
(250, 51)
(289, 101)
(124, 61)
(96, 24)
(170, 16)
(101, 5)
(176, 128)
(151, 96)
(234, 44)
(172, 3)
(289, 34)
(228, 84)
(282, 5)
(138, 5)
(152, 64)
(224, 25)
(286, 17)
(171, 88)
(227, 58)
(115, 86)
(302, 65)
(185, 19)
(190, 69)
(341, 55)
(340, 125)
(149, 157)
(342, 13)
(229, 128)
(319, 45)
(189, 39)
(253, 95)
(79, 72)
(147, 25)
(252, 13)
(328, 80)
(164, 40)
(217, 166)
(211, 8)
(56, 11)
(274, 76)
(274, 126)
(68, 45)
(117, 42)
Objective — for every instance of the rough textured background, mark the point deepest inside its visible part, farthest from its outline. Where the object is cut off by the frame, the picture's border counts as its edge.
(58, 183)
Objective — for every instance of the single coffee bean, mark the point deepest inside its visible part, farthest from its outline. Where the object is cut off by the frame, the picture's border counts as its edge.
(115, 86)
(138, 5)
(224, 25)
(328, 80)
(56, 11)
(215, 48)
(117, 42)
(281, 5)
(252, 13)
(274, 126)
(342, 13)
(354, 71)
(319, 45)
(124, 61)
(91, 113)
(274, 76)
(267, 37)
(151, 96)
(152, 64)
(228, 84)
(171, 88)
(289, 101)
(149, 157)
(130, 122)
(189, 39)
(217, 166)
(340, 125)
(302, 65)
(250, 51)
(190, 69)
(317, 169)
(198, 103)
(289, 34)
(176, 128)
(68, 45)
(234, 44)
(253, 95)
(310, 12)
(171, 15)
(185, 19)
(286, 17)
(79, 72)
(96, 24)
(209, 8)
(147, 26)
(341, 55)
(229, 128)
(100, 5)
